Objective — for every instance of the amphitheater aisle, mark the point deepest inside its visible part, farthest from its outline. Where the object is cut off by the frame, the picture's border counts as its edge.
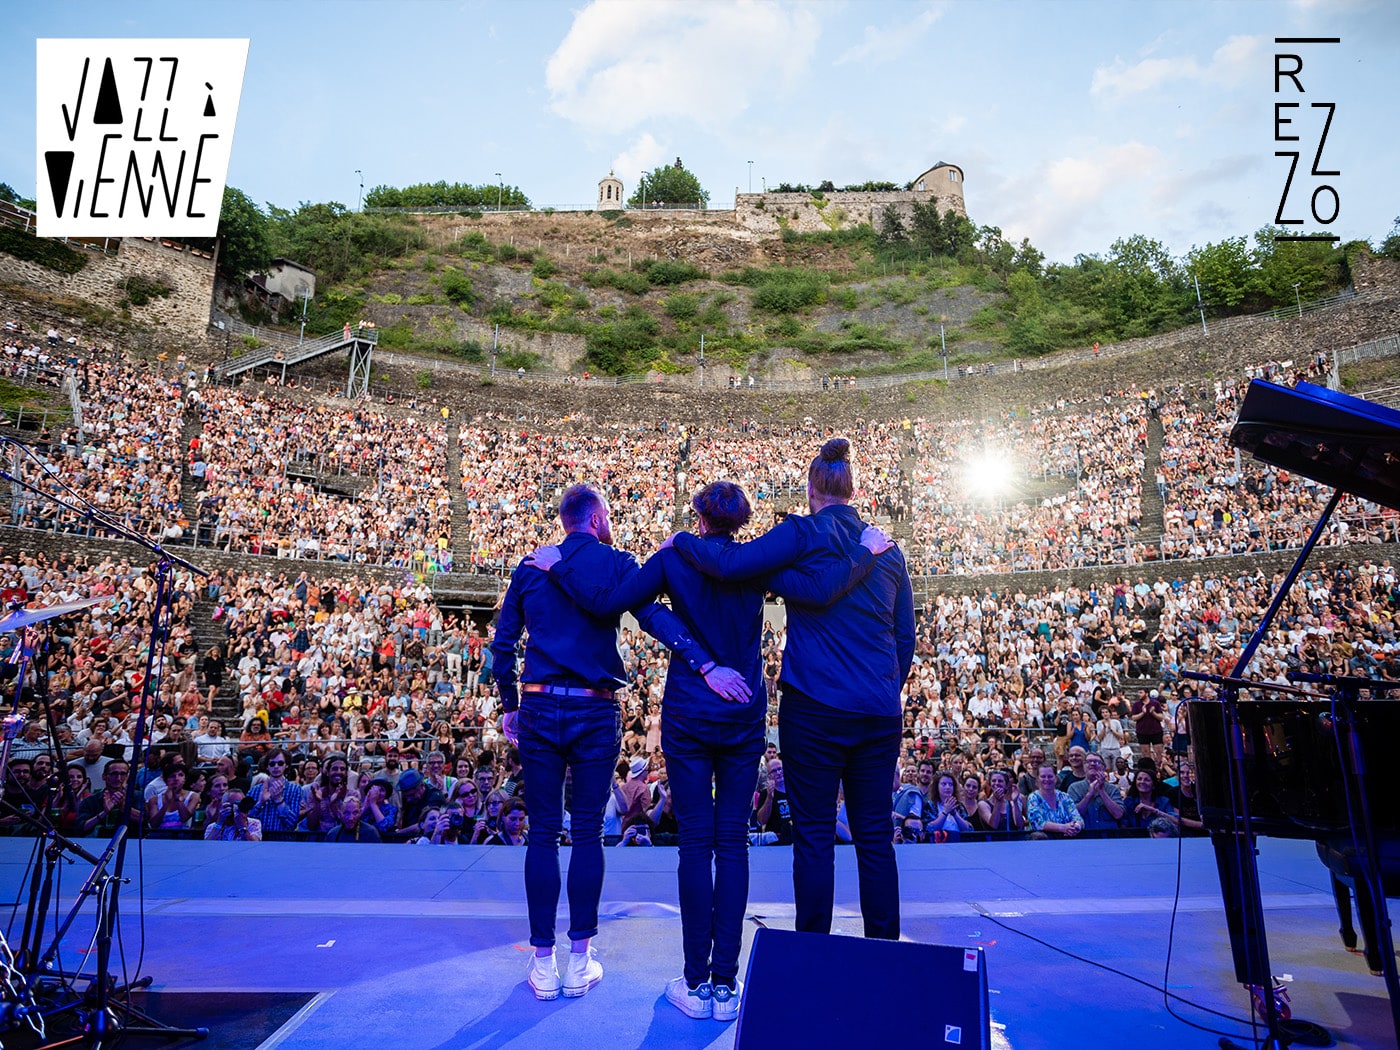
(189, 490)
(1151, 522)
(461, 533)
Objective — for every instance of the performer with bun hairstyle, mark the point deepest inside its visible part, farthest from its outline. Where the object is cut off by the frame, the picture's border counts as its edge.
(839, 717)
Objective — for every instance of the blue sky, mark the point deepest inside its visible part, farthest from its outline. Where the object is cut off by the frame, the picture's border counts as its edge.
(1075, 122)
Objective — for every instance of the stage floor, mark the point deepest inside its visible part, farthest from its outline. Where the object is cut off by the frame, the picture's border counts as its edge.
(425, 949)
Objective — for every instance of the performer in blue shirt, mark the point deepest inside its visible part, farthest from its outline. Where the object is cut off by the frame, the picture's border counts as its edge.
(707, 739)
(839, 716)
(565, 714)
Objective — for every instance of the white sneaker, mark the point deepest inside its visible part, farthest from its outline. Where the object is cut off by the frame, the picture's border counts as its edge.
(543, 976)
(583, 973)
(726, 1004)
(693, 1002)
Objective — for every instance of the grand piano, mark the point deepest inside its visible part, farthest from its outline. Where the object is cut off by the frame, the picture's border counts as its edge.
(1294, 780)
(1303, 767)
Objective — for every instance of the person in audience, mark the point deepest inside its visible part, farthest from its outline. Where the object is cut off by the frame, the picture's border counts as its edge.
(1096, 797)
(1051, 810)
(377, 810)
(948, 815)
(1146, 801)
(514, 826)
(100, 813)
(351, 828)
(232, 822)
(277, 800)
(172, 807)
(1003, 809)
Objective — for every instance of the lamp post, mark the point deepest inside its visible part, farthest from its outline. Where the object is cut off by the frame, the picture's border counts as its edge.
(642, 182)
(305, 297)
(765, 182)
(500, 189)
(359, 202)
(1298, 298)
(750, 176)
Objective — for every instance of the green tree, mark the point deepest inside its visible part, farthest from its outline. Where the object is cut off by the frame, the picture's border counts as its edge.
(892, 233)
(670, 184)
(1226, 271)
(1317, 268)
(926, 228)
(1390, 247)
(245, 241)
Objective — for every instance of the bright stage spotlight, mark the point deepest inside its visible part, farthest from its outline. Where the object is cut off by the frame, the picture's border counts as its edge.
(988, 477)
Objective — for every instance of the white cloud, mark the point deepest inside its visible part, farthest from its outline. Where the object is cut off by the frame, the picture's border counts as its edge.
(1073, 204)
(644, 154)
(1232, 61)
(884, 45)
(1085, 180)
(624, 63)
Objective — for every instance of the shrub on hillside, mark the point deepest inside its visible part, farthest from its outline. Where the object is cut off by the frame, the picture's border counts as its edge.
(659, 273)
(682, 306)
(41, 250)
(457, 286)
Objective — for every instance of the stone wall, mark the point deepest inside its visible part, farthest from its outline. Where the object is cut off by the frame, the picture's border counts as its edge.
(1228, 567)
(762, 212)
(481, 590)
(177, 319)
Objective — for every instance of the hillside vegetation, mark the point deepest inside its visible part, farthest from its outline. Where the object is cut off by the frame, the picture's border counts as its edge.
(633, 291)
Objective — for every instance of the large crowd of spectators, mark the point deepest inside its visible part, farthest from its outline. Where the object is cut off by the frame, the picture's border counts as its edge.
(274, 474)
(334, 689)
(336, 704)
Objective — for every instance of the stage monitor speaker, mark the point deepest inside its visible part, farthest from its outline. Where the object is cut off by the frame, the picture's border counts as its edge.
(816, 990)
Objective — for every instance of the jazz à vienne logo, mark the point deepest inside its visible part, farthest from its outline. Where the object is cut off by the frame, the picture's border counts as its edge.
(134, 136)
(1305, 121)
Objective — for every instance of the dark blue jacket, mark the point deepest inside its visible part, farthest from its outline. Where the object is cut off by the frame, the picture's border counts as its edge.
(567, 646)
(854, 655)
(725, 618)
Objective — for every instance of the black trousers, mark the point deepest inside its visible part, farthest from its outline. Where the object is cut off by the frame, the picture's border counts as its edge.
(824, 748)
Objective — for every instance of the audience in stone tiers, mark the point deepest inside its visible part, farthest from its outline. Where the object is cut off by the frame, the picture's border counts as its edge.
(325, 700)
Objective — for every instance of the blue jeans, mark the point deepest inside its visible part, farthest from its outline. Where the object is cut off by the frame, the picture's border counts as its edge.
(824, 748)
(585, 736)
(712, 827)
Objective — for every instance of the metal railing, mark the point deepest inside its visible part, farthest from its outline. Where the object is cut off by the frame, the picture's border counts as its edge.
(286, 352)
(454, 209)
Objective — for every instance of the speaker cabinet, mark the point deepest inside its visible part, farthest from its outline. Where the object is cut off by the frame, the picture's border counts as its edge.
(818, 990)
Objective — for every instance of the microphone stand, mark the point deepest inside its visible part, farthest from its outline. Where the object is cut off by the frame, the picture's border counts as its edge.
(106, 1022)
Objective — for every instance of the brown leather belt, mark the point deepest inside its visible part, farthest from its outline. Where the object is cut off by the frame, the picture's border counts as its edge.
(567, 690)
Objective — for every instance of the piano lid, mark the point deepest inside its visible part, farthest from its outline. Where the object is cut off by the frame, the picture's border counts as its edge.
(1333, 438)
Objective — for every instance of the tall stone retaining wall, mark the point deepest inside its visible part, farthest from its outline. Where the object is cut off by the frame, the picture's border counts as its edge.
(770, 213)
(179, 318)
